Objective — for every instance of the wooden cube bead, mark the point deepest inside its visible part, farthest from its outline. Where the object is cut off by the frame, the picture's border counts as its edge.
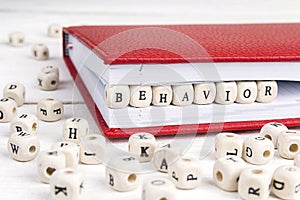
(15, 91)
(50, 110)
(228, 144)
(258, 150)
(16, 39)
(23, 146)
(183, 94)
(92, 149)
(267, 91)
(25, 122)
(74, 129)
(246, 92)
(185, 173)
(162, 95)
(272, 131)
(54, 31)
(254, 183)
(117, 96)
(226, 92)
(140, 96)
(142, 146)
(164, 155)
(226, 172)
(48, 162)
(66, 184)
(48, 81)
(289, 144)
(286, 182)
(121, 173)
(70, 150)
(205, 93)
(40, 52)
(158, 188)
(8, 109)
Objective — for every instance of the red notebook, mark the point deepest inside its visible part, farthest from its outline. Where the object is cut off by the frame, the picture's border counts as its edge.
(237, 52)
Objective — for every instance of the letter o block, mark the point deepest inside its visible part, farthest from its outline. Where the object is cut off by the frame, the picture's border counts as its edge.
(286, 182)
(8, 109)
(246, 92)
(117, 96)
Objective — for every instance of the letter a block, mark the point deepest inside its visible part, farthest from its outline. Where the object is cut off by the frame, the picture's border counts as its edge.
(183, 94)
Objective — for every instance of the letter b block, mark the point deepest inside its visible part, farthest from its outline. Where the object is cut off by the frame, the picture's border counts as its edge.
(117, 96)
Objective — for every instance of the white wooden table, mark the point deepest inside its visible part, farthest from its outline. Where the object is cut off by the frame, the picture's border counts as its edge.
(19, 180)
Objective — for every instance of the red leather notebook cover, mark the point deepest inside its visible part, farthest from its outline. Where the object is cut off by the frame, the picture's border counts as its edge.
(222, 43)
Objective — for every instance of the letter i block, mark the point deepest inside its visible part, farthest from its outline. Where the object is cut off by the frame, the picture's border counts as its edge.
(286, 182)
(185, 173)
(75, 129)
(226, 92)
(140, 96)
(142, 145)
(117, 96)
(266, 91)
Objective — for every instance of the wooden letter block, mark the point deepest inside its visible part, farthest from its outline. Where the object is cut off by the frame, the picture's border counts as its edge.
(258, 150)
(183, 94)
(272, 131)
(25, 122)
(162, 95)
(70, 150)
(48, 162)
(40, 52)
(66, 184)
(75, 129)
(246, 92)
(289, 144)
(185, 173)
(140, 96)
(121, 174)
(8, 109)
(117, 96)
(226, 172)
(228, 144)
(23, 146)
(16, 92)
(254, 183)
(50, 110)
(92, 149)
(226, 92)
(142, 146)
(205, 93)
(54, 31)
(16, 39)
(160, 189)
(286, 182)
(266, 91)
